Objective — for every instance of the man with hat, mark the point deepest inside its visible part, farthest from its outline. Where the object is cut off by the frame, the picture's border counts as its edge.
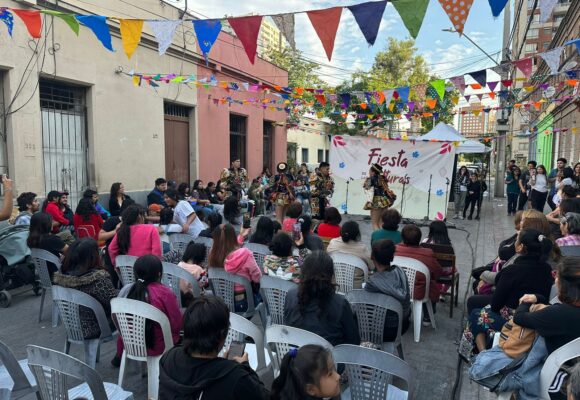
(379, 195)
(282, 191)
(321, 189)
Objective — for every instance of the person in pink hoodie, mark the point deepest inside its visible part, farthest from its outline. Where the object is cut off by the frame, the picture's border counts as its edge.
(134, 237)
(227, 253)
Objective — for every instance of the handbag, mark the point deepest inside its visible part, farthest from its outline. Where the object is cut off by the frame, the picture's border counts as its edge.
(492, 382)
(516, 340)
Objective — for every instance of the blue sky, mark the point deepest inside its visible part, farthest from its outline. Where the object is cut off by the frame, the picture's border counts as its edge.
(446, 53)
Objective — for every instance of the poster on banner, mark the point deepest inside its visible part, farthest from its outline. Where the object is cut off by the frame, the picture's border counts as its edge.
(414, 165)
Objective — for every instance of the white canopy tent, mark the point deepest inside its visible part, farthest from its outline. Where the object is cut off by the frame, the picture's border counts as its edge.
(448, 133)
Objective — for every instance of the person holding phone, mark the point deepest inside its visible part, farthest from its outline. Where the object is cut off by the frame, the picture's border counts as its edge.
(6, 211)
(194, 368)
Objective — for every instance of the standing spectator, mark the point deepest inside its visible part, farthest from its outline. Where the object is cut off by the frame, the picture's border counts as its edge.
(87, 218)
(570, 228)
(41, 238)
(316, 307)
(27, 205)
(134, 237)
(556, 173)
(304, 172)
(511, 164)
(52, 206)
(234, 177)
(256, 194)
(302, 191)
(330, 228)
(183, 214)
(321, 189)
(349, 242)
(6, 211)
(524, 185)
(513, 189)
(539, 185)
(461, 182)
(483, 186)
(311, 240)
(390, 229)
(473, 196)
(156, 196)
(118, 200)
(94, 197)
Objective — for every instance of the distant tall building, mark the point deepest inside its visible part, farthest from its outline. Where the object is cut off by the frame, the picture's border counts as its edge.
(475, 126)
(270, 37)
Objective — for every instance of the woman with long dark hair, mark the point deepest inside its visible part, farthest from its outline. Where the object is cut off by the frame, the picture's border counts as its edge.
(118, 199)
(461, 182)
(264, 231)
(438, 234)
(232, 212)
(134, 237)
(40, 237)
(87, 220)
(350, 242)
(316, 307)
(282, 191)
(540, 188)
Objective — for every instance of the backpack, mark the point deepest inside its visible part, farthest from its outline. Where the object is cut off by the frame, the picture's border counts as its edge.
(516, 340)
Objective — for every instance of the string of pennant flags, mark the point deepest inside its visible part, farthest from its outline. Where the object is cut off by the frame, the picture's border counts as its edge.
(325, 22)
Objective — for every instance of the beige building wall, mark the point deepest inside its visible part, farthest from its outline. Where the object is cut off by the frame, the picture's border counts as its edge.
(125, 124)
(311, 135)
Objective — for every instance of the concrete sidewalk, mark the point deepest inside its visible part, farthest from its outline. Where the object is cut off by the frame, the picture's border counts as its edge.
(434, 358)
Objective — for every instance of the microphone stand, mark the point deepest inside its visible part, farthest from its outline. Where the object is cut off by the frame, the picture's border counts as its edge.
(346, 200)
(429, 198)
(447, 196)
(403, 197)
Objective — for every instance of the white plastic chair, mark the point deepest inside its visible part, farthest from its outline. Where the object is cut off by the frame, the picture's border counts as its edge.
(179, 241)
(344, 269)
(52, 368)
(222, 285)
(172, 274)
(69, 302)
(369, 372)
(40, 258)
(124, 265)
(371, 312)
(274, 292)
(130, 316)
(15, 376)
(281, 338)
(411, 267)
(260, 252)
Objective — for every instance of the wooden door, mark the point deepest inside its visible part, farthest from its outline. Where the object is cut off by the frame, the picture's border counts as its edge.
(177, 148)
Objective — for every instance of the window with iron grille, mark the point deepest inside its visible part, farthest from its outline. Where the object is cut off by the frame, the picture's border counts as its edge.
(176, 110)
(238, 136)
(268, 139)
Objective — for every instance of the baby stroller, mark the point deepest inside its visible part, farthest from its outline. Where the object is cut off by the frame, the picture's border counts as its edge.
(16, 269)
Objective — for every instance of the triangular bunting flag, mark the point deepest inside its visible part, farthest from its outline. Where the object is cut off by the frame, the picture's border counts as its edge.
(420, 91)
(207, 32)
(467, 97)
(388, 95)
(546, 8)
(345, 97)
(497, 6)
(412, 13)
(479, 96)
(431, 103)
(285, 23)
(69, 19)
(459, 83)
(7, 17)
(491, 95)
(131, 30)
(98, 24)
(524, 65)
(455, 100)
(457, 11)
(476, 112)
(492, 85)
(31, 19)
(403, 93)
(576, 42)
(475, 86)
(164, 31)
(439, 86)
(325, 23)
(368, 16)
(479, 76)
(411, 106)
(506, 82)
(321, 99)
(552, 58)
(247, 29)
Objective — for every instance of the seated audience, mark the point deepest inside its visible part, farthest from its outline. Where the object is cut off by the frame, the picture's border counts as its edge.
(183, 214)
(330, 228)
(156, 196)
(213, 221)
(264, 231)
(226, 253)
(391, 280)
(94, 197)
(292, 213)
(570, 228)
(438, 240)
(52, 206)
(148, 288)
(210, 191)
(193, 258)
(118, 200)
(184, 190)
(27, 205)
(311, 240)
(277, 226)
(194, 370)
(391, 220)
(232, 213)
(281, 263)
(40, 237)
(87, 221)
(307, 373)
(199, 200)
(316, 307)
(529, 273)
(66, 210)
(134, 237)
(81, 270)
(349, 242)
(167, 227)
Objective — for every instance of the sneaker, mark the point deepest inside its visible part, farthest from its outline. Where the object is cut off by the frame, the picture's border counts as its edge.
(461, 217)
(116, 361)
(426, 320)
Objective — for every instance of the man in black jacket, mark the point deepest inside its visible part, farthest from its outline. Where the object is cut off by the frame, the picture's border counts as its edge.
(194, 370)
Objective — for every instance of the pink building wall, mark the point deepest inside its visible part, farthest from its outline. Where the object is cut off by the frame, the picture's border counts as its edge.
(213, 121)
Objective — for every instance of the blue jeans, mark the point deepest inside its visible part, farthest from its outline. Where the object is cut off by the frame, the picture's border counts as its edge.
(512, 202)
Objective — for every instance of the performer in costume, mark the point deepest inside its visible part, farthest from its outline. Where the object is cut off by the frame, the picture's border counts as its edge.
(235, 177)
(282, 191)
(378, 194)
(321, 189)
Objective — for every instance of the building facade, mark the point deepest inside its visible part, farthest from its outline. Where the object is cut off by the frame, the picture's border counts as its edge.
(309, 142)
(73, 118)
(474, 126)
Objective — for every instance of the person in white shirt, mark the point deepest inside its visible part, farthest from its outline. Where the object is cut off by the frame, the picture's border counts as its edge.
(183, 214)
(539, 185)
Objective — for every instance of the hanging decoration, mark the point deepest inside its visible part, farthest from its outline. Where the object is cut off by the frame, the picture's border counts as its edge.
(8, 19)
(497, 6)
(69, 19)
(325, 23)
(31, 19)
(457, 11)
(546, 8)
(480, 77)
(368, 16)
(412, 12)
(247, 29)
(207, 32)
(98, 24)
(439, 86)
(164, 31)
(552, 58)
(131, 30)
(524, 65)
(285, 23)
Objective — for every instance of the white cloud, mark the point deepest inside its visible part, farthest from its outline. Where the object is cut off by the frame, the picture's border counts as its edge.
(354, 49)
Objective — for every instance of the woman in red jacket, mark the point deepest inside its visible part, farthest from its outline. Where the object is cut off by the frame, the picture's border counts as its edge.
(87, 221)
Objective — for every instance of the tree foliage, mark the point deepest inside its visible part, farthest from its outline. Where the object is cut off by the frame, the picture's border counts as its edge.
(301, 72)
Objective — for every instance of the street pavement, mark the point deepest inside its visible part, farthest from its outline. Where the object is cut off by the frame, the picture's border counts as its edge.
(434, 358)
